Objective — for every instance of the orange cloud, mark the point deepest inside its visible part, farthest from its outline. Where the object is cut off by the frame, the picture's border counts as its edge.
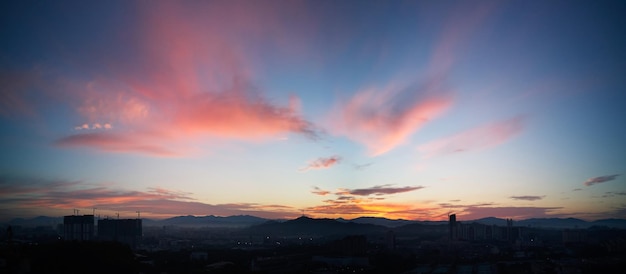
(477, 138)
(387, 210)
(319, 191)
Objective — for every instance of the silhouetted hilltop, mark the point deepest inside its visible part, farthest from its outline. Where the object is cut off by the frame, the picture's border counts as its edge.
(378, 221)
(244, 221)
(490, 221)
(213, 221)
(37, 221)
(319, 227)
(614, 223)
(554, 223)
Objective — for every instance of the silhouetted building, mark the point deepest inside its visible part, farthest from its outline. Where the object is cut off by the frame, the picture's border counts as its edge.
(127, 231)
(78, 228)
(452, 227)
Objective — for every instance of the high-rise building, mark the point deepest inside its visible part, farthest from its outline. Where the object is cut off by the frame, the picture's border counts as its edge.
(127, 231)
(452, 227)
(78, 228)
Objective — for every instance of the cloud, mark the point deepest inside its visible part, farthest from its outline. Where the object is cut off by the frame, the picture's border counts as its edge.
(113, 142)
(181, 81)
(321, 192)
(357, 202)
(600, 179)
(21, 193)
(362, 166)
(481, 137)
(609, 194)
(322, 163)
(375, 209)
(382, 119)
(97, 126)
(527, 198)
(382, 190)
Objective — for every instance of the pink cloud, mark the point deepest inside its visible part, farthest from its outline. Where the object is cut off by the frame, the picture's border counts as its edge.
(384, 119)
(191, 80)
(112, 142)
(322, 163)
(477, 138)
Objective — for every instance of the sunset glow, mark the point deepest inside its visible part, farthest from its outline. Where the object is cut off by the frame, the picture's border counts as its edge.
(330, 109)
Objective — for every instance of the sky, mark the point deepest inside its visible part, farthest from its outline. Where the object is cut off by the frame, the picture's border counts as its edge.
(396, 109)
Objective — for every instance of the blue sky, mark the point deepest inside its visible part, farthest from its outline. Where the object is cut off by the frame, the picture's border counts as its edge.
(336, 109)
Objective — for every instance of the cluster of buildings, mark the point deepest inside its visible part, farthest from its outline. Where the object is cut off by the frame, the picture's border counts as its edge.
(478, 232)
(83, 228)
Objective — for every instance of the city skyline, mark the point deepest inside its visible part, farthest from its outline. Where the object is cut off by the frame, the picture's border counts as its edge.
(276, 109)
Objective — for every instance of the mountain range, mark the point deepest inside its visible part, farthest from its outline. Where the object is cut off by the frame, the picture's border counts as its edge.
(244, 221)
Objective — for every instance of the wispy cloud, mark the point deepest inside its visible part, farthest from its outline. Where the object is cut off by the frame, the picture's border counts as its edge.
(481, 137)
(322, 163)
(362, 166)
(113, 142)
(609, 194)
(390, 210)
(382, 119)
(319, 191)
(600, 179)
(183, 81)
(30, 193)
(382, 190)
(366, 202)
(527, 198)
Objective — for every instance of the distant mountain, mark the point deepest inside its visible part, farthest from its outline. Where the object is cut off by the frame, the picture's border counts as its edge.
(364, 224)
(427, 230)
(320, 227)
(213, 221)
(554, 223)
(490, 221)
(614, 223)
(557, 223)
(37, 221)
(378, 221)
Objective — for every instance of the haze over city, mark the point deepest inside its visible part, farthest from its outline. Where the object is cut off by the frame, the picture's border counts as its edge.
(331, 109)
